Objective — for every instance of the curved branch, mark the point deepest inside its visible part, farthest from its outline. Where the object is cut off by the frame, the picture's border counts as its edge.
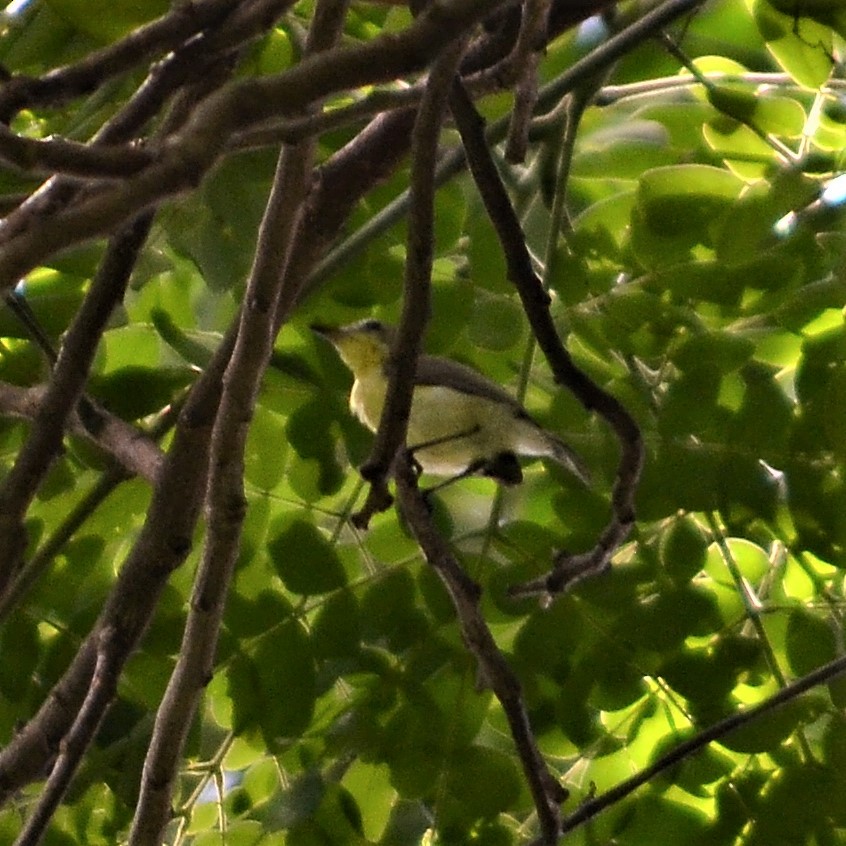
(195, 64)
(402, 362)
(549, 95)
(190, 153)
(100, 692)
(155, 38)
(134, 451)
(567, 570)
(162, 545)
(51, 155)
(64, 391)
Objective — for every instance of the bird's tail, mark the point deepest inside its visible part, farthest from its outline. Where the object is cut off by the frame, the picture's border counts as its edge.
(567, 458)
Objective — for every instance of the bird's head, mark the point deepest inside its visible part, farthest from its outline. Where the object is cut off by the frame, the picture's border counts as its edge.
(362, 346)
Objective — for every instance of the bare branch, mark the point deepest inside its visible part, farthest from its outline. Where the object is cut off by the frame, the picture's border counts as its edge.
(132, 449)
(495, 672)
(549, 96)
(402, 363)
(155, 38)
(63, 392)
(162, 545)
(567, 569)
(59, 155)
(150, 459)
(524, 59)
(102, 689)
(226, 501)
(593, 807)
(197, 63)
(190, 153)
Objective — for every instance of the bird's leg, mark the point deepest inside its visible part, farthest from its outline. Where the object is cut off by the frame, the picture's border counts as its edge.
(473, 468)
(504, 468)
(470, 470)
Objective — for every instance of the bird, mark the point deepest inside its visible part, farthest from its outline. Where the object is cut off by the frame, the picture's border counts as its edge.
(461, 423)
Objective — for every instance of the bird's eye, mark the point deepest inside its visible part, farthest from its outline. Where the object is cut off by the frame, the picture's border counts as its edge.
(371, 326)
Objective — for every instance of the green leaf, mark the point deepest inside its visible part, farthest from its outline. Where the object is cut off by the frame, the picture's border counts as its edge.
(801, 46)
(769, 731)
(654, 816)
(284, 668)
(678, 209)
(265, 451)
(720, 351)
(135, 391)
(336, 632)
(810, 642)
(248, 616)
(305, 561)
(496, 323)
(195, 347)
(678, 197)
(683, 549)
(108, 20)
(389, 611)
(480, 783)
(834, 411)
(702, 680)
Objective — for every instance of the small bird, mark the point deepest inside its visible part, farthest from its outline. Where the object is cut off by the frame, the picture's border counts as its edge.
(461, 423)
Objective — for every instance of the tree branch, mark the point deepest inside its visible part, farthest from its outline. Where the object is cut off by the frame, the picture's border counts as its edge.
(103, 686)
(40, 561)
(63, 393)
(132, 449)
(567, 570)
(199, 61)
(495, 672)
(593, 807)
(162, 545)
(549, 96)
(402, 362)
(190, 153)
(155, 38)
(226, 502)
(524, 60)
(51, 155)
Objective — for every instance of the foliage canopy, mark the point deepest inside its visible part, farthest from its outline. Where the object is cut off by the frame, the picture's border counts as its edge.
(273, 673)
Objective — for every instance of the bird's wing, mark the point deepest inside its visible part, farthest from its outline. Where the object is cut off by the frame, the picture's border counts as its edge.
(434, 370)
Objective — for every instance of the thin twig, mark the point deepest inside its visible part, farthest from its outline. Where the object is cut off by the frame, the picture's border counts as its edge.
(202, 58)
(117, 473)
(64, 391)
(161, 546)
(130, 448)
(143, 43)
(525, 59)
(58, 155)
(592, 807)
(100, 693)
(191, 152)
(549, 96)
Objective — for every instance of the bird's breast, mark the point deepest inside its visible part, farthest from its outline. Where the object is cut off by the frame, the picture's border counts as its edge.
(367, 399)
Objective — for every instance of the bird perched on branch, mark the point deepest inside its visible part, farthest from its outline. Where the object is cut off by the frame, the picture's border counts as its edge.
(461, 423)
